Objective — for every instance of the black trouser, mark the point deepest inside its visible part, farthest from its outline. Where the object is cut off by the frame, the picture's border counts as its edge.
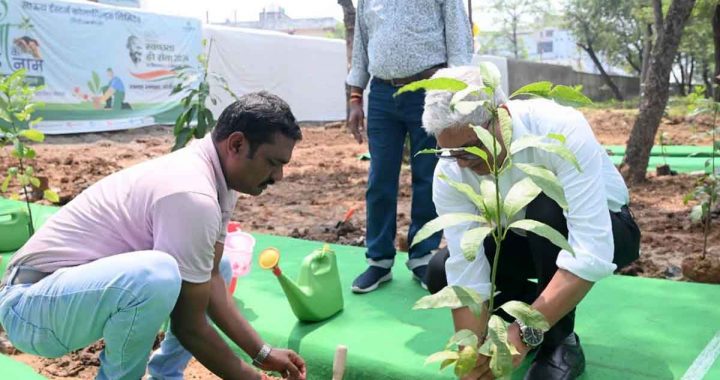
(523, 258)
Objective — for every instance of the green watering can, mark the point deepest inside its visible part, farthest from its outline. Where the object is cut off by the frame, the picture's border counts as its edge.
(317, 294)
(13, 229)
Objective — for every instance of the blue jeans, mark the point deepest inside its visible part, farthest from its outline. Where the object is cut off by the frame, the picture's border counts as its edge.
(123, 299)
(389, 120)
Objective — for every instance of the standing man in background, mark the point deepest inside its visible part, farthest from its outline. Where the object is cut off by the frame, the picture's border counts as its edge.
(396, 43)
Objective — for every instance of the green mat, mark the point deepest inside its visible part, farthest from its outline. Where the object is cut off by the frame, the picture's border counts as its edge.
(670, 150)
(631, 328)
(15, 370)
(681, 158)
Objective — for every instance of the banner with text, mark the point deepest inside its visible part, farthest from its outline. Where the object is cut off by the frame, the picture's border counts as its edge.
(103, 67)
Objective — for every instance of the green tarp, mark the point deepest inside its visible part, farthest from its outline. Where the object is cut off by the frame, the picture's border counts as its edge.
(631, 328)
(680, 158)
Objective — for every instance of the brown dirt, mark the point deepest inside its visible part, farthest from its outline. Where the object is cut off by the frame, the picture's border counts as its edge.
(326, 178)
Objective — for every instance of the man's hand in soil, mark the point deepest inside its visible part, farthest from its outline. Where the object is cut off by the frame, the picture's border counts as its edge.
(356, 118)
(482, 369)
(287, 363)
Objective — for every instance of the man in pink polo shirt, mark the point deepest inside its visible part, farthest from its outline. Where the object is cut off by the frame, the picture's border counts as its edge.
(146, 243)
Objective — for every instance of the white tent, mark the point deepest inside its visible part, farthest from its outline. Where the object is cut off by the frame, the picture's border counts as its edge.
(308, 72)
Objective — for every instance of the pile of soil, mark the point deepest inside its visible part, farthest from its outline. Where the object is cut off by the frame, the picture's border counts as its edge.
(326, 178)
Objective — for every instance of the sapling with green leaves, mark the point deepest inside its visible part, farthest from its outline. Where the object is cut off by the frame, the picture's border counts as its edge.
(196, 118)
(16, 127)
(497, 213)
(706, 193)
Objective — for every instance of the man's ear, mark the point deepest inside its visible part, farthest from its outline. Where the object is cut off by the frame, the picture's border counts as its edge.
(238, 144)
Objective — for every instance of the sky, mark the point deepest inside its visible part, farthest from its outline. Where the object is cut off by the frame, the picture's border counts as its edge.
(247, 10)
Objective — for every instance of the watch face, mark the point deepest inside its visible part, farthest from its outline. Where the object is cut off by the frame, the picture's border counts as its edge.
(531, 336)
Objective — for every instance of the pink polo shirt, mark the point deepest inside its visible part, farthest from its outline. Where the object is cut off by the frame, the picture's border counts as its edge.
(178, 204)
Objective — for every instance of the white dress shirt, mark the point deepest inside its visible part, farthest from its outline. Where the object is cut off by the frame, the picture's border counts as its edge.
(590, 194)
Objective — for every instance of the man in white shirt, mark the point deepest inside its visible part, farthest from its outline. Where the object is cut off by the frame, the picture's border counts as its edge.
(597, 224)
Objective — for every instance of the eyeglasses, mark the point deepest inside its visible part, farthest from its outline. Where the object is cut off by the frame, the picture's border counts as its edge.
(454, 154)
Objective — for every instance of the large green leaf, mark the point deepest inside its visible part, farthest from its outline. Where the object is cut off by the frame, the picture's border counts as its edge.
(466, 362)
(538, 89)
(526, 314)
(487, 139)
(466, 190)
(452, 297)
(489, 194)
(490, 75)
(501, 360)
(538, 142)
(469, 298)
(463, 337)
(472, 240)
(548, 182)
(33, 135)
(477, 151)
(442, 84)
(569, 96)
(442, 222)
(464, 93)
(51, 196)
(441, 356)
(561, 94)
(521, 193)
(505, 126)
(545, 231)
(5, 183)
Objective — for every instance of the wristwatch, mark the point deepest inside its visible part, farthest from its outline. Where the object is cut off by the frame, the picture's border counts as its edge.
(262, 355)
(531, 336)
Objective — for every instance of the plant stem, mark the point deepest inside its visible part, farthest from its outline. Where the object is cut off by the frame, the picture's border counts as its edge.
(498, 233)
(31, 228)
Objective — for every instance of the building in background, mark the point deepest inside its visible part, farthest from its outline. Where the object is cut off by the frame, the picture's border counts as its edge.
(548, 45)
(273, 17)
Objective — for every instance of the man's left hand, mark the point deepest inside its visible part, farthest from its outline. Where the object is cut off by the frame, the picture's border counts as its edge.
(482, 370)
(286, 362)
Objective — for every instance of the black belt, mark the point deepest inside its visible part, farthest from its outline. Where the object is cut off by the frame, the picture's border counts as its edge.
(425, 74)
(22, 275)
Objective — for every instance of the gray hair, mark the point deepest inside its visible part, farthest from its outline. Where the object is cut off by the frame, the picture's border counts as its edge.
(438, 115)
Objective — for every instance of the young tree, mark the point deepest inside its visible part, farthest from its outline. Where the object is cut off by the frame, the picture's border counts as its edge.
(607, 28)
(657, 87)
(515, 15)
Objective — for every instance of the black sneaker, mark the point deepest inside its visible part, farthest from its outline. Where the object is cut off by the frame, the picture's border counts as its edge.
(419, 275)
(371, 279)
(563, 362)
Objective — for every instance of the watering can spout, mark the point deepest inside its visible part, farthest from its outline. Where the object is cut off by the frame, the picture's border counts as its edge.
(317, 294)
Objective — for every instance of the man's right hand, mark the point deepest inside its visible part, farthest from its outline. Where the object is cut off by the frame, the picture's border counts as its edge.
(287, 363)
(356, 121)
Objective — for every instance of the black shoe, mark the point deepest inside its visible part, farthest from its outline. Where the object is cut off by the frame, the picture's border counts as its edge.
(563, 362)
(419, 275)
(371, 279)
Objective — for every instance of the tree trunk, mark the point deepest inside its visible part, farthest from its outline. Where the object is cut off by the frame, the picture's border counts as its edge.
(680, 82)
(613, 87)
(716, 39)
(707, 80)
(647, 49)
(690, 75)
(514, 38)
(657, 88)
(349, 21)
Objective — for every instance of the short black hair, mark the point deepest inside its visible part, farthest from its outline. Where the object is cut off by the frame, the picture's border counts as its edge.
(259, 116)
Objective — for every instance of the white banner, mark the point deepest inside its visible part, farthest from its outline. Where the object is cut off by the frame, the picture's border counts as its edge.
(103, 67)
